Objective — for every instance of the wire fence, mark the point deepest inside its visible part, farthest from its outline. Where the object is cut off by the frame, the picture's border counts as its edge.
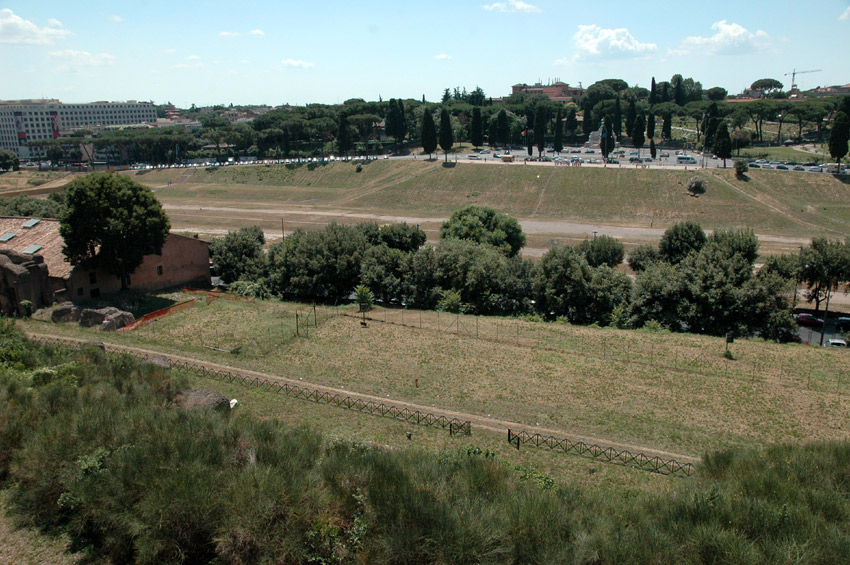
(606, 454)
(812, 368)
(454, 425)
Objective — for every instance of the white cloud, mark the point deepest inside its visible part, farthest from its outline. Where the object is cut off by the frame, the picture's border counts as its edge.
(15, 29)
(845, 15)
(69, 59)
(298, 63)
(170, 50)
(115, 18)
(229, 34)
(592, 41)
(729, 39)
(516, 6)
(257, 32)
(442, 57)
(193, 58)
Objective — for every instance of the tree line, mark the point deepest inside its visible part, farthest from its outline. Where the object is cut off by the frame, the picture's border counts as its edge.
(690, 281)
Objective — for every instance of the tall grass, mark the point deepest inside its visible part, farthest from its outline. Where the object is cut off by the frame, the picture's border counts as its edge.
(105, 456)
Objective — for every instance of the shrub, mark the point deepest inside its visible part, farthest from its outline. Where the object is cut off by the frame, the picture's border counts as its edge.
(696, 186)
(741, 167)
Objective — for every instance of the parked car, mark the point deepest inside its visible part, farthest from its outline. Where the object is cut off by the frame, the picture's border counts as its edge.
(485, 151)
(635, 160)
(782, 167)
(614, 161)
(472, 156)
(805, 319)
(836, 342)
(842, 323)
(799, 168)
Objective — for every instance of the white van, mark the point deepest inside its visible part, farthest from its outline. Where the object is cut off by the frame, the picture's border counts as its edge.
(685, 160)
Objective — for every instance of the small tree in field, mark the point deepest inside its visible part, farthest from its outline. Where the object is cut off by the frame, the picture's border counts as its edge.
(446, 139)
(741, 168)
(429, 133)
(696, 186)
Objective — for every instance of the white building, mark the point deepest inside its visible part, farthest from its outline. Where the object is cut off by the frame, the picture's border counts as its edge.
(22, 121)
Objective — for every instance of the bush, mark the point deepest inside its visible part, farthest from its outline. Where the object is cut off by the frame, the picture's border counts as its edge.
(696, 186)
(741, 167)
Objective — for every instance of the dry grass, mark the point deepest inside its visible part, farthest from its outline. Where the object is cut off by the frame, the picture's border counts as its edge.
(24, 546)
(659, 391)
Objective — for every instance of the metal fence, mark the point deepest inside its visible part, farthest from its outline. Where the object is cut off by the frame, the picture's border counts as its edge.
(607, 454)
(454, 425)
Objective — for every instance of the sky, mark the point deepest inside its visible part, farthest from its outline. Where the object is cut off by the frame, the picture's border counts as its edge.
(283, 52)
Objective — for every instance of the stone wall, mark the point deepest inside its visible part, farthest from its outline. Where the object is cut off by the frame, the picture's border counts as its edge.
(23, 277)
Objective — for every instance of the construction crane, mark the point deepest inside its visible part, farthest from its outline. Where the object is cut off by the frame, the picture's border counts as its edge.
(794, 74)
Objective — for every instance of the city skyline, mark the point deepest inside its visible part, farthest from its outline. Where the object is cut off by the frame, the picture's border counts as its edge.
(221, 53)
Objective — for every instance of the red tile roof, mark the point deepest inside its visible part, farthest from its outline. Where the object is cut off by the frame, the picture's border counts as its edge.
(44, 233)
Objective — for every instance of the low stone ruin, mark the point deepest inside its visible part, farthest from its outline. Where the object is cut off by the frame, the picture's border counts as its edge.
(108, 319)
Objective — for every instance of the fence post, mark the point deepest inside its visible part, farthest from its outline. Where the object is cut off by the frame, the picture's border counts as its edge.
(296, 325)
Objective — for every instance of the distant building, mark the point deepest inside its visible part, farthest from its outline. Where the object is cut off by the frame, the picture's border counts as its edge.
(184, 261)
(557, 91)
(829, 91)
(22, 121)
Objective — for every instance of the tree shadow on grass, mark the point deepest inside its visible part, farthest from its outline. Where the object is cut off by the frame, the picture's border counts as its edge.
(845, 178)
(449, 165)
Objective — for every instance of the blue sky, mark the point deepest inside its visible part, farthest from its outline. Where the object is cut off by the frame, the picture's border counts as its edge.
(299, 52)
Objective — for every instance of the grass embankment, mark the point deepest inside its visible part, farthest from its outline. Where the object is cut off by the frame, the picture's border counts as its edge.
(99, 447)
(13, 183)
(649, 391)
(783, 203)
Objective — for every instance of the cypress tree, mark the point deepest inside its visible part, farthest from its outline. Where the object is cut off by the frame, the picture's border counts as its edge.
(446, 139)
(429, 133)
(631, 114)
(839, 136)
(540, 129)
(652, 152)
(722, 142)
(504, 131)
(529, 140)
(618, 118)
(653, 95)
(493, 135)
(559, 131)
(587, 123)
(638, 137)
(572, 125)
(667, 126)
(476, 133)
(665, 93)
(650, 126)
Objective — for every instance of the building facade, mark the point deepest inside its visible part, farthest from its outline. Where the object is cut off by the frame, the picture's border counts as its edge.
(557, 91)
(22, 121)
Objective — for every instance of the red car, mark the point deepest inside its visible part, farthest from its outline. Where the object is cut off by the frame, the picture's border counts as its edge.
(809, 320)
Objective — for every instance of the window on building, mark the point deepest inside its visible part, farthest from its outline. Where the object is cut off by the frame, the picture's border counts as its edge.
(159, 269)
(79, 292)
(92, 278)
(95, 293)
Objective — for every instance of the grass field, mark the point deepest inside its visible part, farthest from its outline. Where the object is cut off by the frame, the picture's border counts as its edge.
(647, 391)
(780, 203)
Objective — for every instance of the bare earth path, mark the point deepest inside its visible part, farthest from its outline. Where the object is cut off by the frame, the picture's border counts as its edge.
(478, 422)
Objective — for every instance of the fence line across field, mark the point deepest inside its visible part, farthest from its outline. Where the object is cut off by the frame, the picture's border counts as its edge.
(454, 425)
(606, 454)
(689, 360)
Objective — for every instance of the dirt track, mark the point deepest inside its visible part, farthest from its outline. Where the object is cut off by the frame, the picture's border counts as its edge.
(478, 422)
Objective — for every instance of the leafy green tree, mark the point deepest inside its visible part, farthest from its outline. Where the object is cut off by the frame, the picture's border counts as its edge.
(429, 133)
(476, 131)
(733, 242)
(824, 265)
(485, 225)
(716, 93)
(446, 137)
(741, 167)
(696, 186)
(321, 265)
(540, 129)
(839, 136)
(561, 288)
(607, 290)
(722, 143)
(638, 137)
(559, 132)
(679, 96)
(767, 85)
(27, 206)
(602, 250)
(679, 240)
(113, 222)
(8, 160)
(385, 271)
(402, 236)
(239, 254)
(657, 296)
(642, 256)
